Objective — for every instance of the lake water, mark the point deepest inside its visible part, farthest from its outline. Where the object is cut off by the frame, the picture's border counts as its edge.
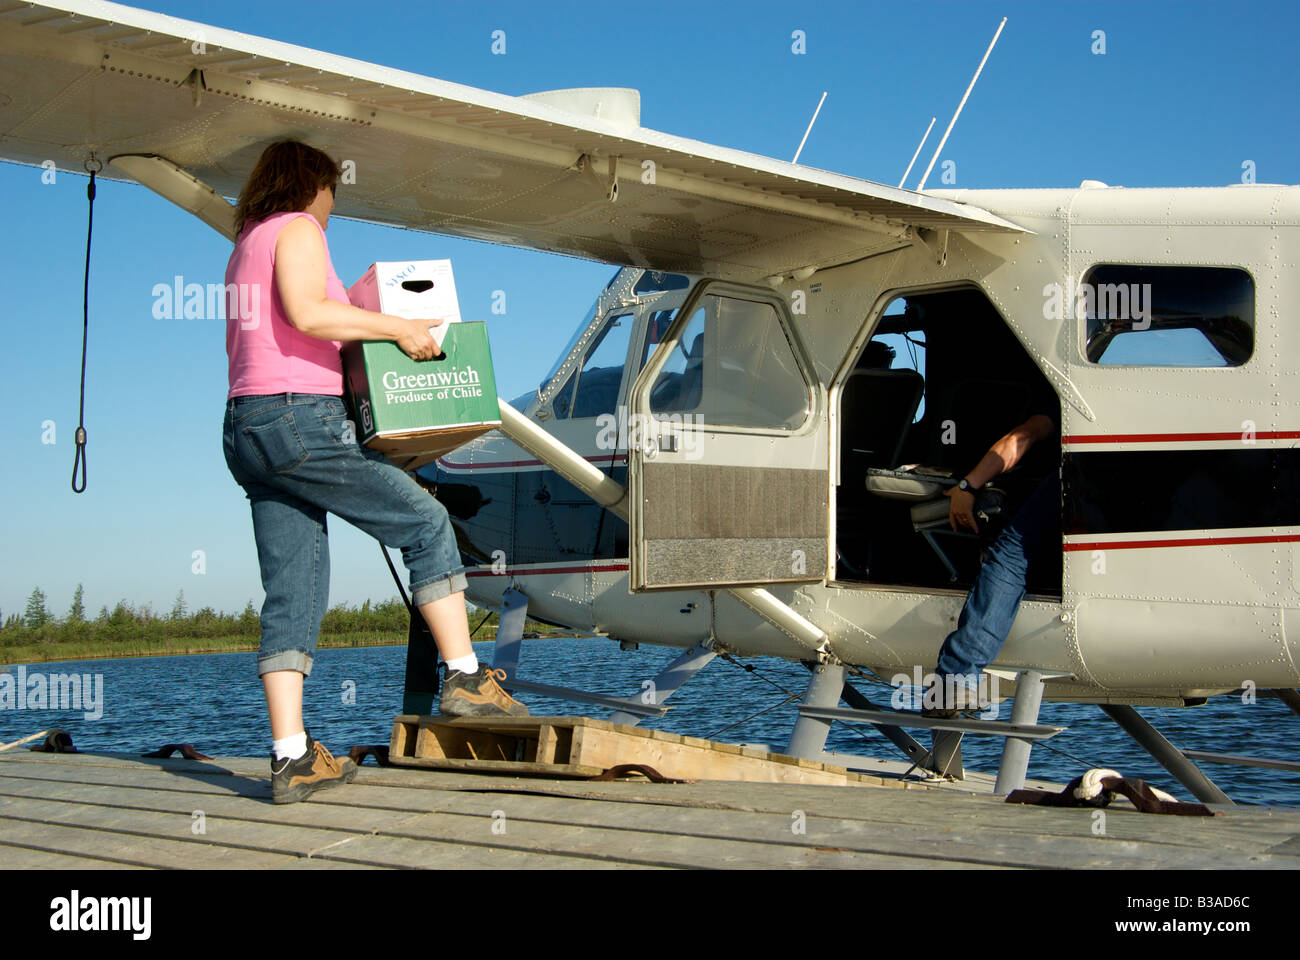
(215, 702)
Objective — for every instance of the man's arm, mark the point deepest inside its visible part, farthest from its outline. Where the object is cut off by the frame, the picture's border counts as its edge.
(1002, 456)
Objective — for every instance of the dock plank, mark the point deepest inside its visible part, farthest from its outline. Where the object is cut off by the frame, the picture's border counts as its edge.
(28, 858)
(85, 841)
(225, 833)
(405, 852)
(163, 841)
(217, 805)
(651, 847)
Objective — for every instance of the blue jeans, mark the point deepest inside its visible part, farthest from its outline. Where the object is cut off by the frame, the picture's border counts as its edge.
(991, 607)
(297, 459)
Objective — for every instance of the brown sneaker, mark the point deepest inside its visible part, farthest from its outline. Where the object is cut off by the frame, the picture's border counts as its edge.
(294, 780)
(478, 694)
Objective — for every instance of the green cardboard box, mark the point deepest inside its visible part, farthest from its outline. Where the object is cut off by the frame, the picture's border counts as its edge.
(414, 411)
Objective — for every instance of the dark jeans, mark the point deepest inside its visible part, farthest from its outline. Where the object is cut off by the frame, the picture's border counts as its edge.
(991, 607)
(297, 458)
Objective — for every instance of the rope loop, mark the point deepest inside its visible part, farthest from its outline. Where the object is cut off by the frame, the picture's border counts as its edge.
(79, 461)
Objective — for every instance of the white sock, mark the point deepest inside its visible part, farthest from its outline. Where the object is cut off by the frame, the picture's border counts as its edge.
(465, 664)
(290, 748)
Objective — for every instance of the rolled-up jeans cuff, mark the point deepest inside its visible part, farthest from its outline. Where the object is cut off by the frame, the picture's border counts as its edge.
(437, 589)
(285, 660)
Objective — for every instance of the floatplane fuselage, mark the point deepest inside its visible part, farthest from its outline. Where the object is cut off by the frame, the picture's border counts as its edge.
(1156, 317)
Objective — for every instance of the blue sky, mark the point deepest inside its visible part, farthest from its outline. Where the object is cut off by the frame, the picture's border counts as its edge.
(1183, 95)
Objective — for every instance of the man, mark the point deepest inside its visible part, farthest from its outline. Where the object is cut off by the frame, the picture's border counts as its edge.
(991, 606)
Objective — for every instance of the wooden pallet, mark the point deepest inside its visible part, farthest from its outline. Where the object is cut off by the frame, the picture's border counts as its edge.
(581, 747)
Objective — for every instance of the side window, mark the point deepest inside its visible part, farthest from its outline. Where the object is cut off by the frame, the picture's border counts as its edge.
(900, 346)
(1168, 316)
(733, 366)
(596, 388)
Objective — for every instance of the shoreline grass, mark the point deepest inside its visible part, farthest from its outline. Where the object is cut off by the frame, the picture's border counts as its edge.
(50, 652)
(179, 646)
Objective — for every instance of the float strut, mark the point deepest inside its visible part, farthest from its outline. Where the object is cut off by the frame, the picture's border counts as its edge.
(808, 738)
(1291, 698)
(1015, 750)
(1165, 753)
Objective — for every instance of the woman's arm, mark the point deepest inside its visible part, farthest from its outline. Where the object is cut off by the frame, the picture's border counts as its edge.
(300, 280)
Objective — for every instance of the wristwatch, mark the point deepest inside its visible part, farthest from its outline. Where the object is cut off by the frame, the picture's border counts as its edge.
(963, 484)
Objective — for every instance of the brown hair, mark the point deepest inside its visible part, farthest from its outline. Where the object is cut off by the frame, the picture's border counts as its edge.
(287, 177)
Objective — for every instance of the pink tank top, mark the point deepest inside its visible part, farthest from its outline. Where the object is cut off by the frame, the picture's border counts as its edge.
(267, 353)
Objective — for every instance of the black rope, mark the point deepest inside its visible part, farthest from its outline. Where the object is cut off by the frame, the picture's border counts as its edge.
(1065, 753)
(480, 623)
(793, 696)
(749, 668)
(402, 590)
(79, 462)
(396, 579)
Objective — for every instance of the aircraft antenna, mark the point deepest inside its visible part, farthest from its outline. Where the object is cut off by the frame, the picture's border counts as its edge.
(918, 152)
(810, 126)
(939, 149)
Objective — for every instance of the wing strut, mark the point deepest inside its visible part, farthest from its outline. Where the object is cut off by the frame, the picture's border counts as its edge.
(183, 189)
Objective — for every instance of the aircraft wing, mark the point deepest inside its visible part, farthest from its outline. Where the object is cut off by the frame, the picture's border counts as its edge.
(78, 76)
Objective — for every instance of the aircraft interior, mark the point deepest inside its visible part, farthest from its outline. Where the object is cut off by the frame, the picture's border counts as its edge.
(941, 380)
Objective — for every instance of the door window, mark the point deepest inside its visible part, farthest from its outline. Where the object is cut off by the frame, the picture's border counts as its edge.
(733, 365)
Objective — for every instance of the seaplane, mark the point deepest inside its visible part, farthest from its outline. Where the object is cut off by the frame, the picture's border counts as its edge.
(743, 450)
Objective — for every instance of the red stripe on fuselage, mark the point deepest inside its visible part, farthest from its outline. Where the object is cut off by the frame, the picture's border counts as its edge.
(501, 464)
(520, 572)
(1191, 542)
(1238, 435)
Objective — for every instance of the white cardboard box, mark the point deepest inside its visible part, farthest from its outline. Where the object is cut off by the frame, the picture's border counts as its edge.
(415, 289)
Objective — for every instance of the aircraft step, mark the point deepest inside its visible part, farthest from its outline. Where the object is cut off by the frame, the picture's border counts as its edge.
(905, 718)
(583, 748)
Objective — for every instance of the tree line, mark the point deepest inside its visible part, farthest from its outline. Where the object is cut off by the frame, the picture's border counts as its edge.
(130, 622)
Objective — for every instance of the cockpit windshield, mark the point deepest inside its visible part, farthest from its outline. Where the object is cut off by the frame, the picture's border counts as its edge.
(570, 346)
(649, 282)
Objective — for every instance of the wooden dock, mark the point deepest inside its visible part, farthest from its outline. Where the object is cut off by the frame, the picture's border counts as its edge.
(101, 810)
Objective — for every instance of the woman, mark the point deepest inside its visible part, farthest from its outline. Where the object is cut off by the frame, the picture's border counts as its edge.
(288, 444)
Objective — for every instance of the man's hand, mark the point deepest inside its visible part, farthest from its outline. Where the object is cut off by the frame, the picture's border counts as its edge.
(415, 340)
(961, 509)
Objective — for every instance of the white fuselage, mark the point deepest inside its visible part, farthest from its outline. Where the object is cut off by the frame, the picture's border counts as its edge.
(1145, 615)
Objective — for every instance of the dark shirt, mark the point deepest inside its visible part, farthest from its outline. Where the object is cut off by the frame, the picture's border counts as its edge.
(1043, 399)
(1043, 458)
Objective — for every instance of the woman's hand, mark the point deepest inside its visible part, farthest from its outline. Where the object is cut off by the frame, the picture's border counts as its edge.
(415, 341)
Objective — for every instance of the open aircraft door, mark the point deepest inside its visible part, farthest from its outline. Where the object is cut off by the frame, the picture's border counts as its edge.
(727, 459)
